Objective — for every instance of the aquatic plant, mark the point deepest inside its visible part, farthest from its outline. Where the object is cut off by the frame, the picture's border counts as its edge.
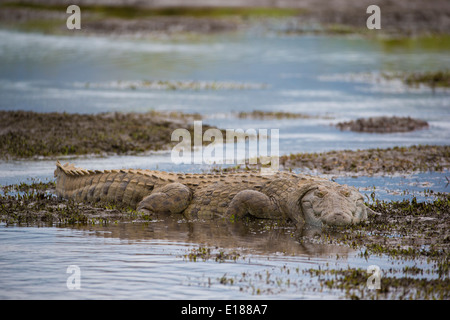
(36, 204)
(205, 253)
(433, 79)
(373, 161)
(383, 124)
(32, 134)
(259, 114)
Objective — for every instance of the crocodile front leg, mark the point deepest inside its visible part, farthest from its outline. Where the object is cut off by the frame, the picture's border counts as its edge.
(254, 203)
(172, 198)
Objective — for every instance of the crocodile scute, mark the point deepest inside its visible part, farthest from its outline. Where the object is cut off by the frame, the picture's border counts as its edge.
(282, 195)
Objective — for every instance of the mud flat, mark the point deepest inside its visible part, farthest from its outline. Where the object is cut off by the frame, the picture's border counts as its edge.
(372, 161)
(383, 124)
(31, 134)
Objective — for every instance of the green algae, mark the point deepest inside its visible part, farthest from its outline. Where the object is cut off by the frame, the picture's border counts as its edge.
(433, 42)
(206, 254)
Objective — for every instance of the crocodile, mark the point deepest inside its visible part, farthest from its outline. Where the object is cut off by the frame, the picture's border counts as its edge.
(283, 195)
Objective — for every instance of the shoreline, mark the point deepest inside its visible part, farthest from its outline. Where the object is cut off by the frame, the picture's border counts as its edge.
(370, 162)
(32, 135)
(29, 135)
(162, 19)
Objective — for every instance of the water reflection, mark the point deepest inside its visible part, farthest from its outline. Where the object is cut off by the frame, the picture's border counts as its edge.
(259, 237)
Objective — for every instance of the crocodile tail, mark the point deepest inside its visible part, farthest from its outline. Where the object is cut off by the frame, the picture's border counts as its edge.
(61, 174)
(119, 186)
(70, 179)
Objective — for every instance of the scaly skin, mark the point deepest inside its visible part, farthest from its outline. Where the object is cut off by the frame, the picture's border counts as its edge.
(283, 195)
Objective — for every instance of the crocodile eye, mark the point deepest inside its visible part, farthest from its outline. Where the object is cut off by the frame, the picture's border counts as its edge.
(345, 192)
(321, 192)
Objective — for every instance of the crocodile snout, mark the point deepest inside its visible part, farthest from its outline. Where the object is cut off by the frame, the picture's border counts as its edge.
(339, 218)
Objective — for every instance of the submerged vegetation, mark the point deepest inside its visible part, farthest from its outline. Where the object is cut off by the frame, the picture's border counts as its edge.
(383, 124)
(353, 282)
(264, 115)
(205, 254)
(433, 79)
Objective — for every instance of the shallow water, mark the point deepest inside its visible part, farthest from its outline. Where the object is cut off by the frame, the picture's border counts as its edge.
(151, 261)
(331, 77)
(335, 78)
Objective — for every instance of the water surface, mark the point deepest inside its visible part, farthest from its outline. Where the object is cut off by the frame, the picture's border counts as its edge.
(333, 78)
(151, 261)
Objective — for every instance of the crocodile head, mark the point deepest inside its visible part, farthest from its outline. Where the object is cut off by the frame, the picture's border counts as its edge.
(329, 204)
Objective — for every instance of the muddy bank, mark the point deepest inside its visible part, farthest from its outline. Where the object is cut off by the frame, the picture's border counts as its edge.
(372, 161)
(30, 134)
(383, 124)
(50, 135)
